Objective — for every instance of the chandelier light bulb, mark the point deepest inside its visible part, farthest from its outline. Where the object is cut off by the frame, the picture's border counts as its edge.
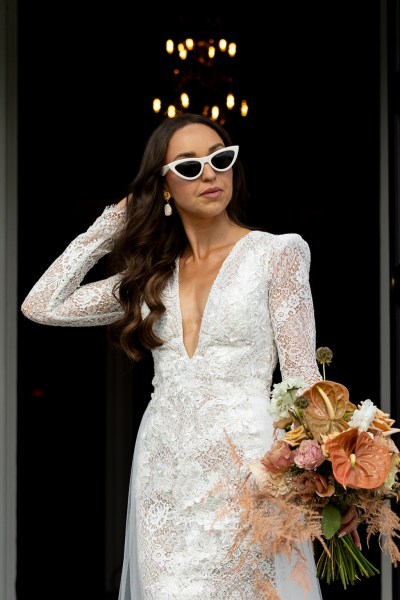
(156, 105)
(230, 101)
(184, 100)
(222, 45)
(211, 51)
(232, 49)
(171, 111)
(244, 109)
(169, 46)
(214, 113)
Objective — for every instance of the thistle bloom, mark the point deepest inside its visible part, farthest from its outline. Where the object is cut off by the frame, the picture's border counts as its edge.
(324, 355)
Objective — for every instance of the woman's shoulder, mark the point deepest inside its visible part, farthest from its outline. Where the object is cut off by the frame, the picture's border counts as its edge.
(277, 240)
(279, 249)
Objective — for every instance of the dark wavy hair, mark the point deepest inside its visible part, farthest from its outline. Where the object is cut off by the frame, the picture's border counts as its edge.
(146, 250)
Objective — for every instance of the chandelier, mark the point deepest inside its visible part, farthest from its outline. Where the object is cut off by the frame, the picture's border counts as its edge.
(200, 76)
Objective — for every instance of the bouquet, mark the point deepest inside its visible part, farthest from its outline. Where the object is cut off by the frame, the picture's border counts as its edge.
(329, 456)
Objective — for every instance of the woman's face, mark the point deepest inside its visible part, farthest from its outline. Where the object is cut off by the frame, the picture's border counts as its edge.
(209, 194)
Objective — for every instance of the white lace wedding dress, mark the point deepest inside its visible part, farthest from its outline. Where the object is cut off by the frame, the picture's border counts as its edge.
(259, 311)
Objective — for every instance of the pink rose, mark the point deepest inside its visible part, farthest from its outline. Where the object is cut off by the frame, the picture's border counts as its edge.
(308, 455)
(279, 458)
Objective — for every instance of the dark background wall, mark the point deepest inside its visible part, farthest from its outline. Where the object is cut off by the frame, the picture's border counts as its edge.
(310, 146)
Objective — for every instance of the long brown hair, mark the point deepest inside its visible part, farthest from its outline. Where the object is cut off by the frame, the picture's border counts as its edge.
(146, 250)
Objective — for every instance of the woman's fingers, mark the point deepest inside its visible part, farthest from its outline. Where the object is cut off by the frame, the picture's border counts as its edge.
(122, 202)
(349, 525)
(356, 538)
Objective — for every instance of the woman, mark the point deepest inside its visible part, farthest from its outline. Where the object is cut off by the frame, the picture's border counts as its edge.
(219, 305)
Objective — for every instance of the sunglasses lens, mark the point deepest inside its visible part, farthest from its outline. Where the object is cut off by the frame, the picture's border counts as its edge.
(189, 168)
(223, 160)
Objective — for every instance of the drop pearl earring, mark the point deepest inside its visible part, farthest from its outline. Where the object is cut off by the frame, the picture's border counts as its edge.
(167, 206)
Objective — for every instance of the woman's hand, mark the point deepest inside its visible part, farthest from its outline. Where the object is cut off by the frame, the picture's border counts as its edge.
(349, 525)
(122, 203)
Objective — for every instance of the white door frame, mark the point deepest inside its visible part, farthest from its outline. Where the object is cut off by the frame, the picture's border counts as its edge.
(8, 297)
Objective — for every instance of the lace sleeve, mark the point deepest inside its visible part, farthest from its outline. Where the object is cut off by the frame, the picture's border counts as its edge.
(58, 298)
(292, 309)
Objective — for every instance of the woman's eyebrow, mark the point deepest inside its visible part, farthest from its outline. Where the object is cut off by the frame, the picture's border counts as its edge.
(192, 154)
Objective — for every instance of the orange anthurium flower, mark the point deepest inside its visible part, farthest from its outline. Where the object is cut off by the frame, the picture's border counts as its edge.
(328, 402)
(357, 460)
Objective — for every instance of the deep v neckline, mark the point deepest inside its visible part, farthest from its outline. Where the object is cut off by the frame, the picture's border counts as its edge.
(213, 286)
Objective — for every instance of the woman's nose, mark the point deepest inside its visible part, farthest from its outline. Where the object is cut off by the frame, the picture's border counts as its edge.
(208, 172)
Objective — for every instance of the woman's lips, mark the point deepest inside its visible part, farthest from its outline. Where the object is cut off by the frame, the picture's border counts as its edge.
(212, 192)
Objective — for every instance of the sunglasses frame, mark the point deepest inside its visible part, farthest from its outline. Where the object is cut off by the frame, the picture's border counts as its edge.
(203, 160)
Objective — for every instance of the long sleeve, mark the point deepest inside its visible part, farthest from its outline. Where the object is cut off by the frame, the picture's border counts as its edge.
(292, 308)
(58, 298)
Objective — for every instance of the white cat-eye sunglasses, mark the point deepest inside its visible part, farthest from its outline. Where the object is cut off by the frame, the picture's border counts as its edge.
(191, 168)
